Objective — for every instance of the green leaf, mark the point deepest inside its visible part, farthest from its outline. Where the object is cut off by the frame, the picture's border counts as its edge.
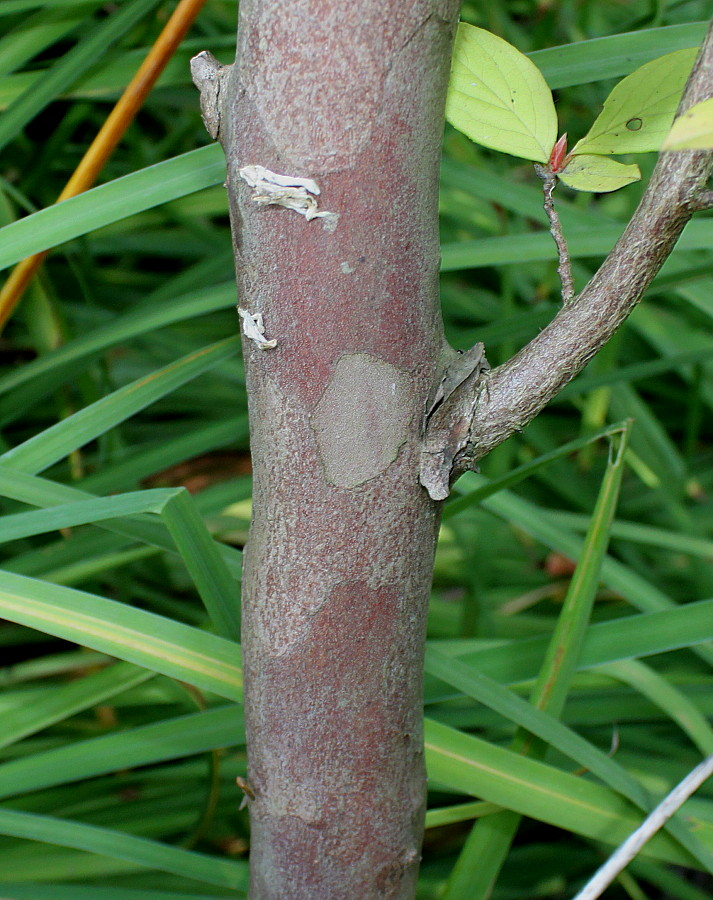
(638, 113)
(44, 449)
(498, 97)
(118, 845)
(469, 765)
(693, 130)
(70, 66)
(111, 202)
(167, 739)
(145, 639)
(613, 56)
(598, 174)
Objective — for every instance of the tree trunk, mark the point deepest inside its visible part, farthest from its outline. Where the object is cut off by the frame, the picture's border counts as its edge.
(339, 562)
(331, 120)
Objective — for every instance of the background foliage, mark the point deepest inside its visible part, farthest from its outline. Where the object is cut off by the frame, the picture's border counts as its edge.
(122, 385)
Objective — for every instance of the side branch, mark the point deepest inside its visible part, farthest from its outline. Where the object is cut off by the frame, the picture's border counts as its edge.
(514, 393)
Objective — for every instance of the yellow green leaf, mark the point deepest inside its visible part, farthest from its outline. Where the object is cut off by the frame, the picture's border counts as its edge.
(598, 174)
(498, 98)
(638, 113)
(693, 130)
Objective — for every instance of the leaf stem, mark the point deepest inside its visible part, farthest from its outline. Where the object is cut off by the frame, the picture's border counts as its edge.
(564, 269)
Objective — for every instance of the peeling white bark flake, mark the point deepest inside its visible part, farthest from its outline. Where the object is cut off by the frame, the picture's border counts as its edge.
(290, 191)
(254, 329)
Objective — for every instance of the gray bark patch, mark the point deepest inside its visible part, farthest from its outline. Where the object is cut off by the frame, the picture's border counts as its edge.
(361, 419)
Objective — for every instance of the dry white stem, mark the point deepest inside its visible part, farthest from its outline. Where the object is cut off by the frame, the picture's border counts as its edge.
(290, 191)
(624, 854)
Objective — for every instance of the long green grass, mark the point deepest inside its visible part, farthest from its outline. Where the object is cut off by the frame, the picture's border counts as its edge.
(125, 487)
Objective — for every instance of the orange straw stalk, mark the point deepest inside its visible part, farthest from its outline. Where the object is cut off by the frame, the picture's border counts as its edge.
(107, 138)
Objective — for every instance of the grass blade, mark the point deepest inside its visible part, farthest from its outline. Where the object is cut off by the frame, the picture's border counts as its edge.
(633, 587)
(110, 202)
(170, 739)
(53, 368)
(13, 891)
(205, 565)
(154, 642)
(70, 67)
(66, 701)
(82, 512)
(42, 492)
(33, 35)
(618, 54)
(632, 636)
(484, 853)
(538, 246)
(118, 845)
(456, 504)
(178, 512)
(54, 443)
(467, 764)
(666, 696)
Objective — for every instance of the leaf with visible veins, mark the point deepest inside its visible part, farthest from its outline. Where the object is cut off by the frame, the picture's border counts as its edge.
(638, 113)
(499, 98)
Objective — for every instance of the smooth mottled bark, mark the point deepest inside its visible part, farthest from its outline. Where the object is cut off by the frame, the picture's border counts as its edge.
(331, 120)
(338, 566)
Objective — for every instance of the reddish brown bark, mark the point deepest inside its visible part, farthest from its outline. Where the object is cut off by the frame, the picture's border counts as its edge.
(339, 562)
(338, 565)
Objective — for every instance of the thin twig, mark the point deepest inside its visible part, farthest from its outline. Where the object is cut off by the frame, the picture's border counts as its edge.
(564, 269)
(624, 854)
